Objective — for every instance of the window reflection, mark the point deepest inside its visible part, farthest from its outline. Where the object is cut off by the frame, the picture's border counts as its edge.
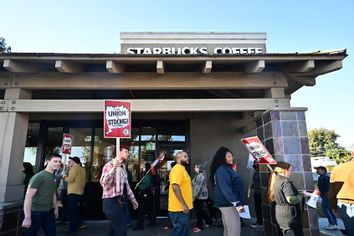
(103, 152)
(81, 146)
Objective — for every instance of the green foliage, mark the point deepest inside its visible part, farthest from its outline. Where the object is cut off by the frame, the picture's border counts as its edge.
(3, 47)
(323, 143)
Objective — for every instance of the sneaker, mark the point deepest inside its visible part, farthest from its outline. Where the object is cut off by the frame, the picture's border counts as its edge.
(332, 227)
(82, 227)
(196, 229)
(256, 225)
(206, 226)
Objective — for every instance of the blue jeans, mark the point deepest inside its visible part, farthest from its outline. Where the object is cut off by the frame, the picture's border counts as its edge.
(75, 220)
(127, 212)
(347, 220)
(326, 208)
(114, 209)
(180, 223)
(44, 220)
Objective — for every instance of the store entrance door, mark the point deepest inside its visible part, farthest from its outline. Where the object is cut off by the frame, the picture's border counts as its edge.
(161, 199)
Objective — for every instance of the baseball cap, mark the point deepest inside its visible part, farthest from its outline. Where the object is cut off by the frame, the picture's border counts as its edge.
(320, 168)
(75, 159)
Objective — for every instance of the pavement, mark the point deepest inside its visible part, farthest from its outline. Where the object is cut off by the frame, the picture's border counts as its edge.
(98, 228)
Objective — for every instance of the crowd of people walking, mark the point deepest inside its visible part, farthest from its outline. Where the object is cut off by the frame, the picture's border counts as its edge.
(57, 191)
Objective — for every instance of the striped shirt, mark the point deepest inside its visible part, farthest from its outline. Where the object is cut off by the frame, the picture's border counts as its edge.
(109, 180)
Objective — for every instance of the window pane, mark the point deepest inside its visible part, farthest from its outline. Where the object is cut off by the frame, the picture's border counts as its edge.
(81, 146)
(103, 151)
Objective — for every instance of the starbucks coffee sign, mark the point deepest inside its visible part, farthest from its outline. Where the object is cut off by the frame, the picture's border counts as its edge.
(193, 50)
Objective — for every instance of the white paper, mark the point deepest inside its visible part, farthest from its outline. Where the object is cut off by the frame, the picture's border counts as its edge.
(250, 161)
(312, 202)
(246, 213)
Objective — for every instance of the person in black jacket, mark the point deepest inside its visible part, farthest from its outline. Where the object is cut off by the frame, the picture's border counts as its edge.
(323, 186)
(287, 200)
(229, 191)
(145, 199)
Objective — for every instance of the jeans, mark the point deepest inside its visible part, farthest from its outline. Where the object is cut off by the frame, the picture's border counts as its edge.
(75, 220)
(44, 220)
(180, 222)
(114, 209)
(332, 220)
(127, 211)
(346, 212)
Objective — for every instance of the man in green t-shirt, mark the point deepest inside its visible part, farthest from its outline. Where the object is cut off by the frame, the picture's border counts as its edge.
(40, 206)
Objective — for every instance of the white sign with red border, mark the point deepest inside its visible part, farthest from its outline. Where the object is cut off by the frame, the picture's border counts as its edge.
(67, 143)
(117, 119)
(257, 150)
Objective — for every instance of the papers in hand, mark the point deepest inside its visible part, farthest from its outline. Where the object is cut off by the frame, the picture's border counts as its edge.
(312, 202)
(246, 212)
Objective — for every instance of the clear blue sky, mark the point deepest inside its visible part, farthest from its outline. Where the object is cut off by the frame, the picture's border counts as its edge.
(93, 26)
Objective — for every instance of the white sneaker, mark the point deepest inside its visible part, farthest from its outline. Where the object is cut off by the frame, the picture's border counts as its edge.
(332, 227)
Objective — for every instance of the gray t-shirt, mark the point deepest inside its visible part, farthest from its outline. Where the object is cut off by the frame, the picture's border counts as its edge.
(44, 182)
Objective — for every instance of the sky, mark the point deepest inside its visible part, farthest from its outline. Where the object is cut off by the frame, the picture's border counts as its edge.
(93, 26)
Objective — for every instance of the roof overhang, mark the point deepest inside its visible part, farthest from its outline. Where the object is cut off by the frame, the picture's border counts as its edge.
(299, 68)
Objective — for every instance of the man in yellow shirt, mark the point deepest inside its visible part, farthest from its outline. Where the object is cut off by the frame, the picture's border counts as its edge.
(180, 196)
(76, 185)
(342, 189)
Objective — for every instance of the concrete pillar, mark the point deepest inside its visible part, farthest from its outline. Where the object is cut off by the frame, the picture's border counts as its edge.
(13, 132)
(284, 134)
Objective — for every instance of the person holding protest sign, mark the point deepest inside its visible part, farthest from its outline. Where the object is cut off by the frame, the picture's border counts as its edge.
(287, 199)
(145, 198)
(229, 191)
(257, 196)
(76, 185)
(114, 181)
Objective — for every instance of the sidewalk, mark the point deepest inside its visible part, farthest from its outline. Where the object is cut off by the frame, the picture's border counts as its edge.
(323, 222)
(98, 228)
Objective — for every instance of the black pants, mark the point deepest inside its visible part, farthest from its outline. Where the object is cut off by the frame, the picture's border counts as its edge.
(146, 205)
(201, 213)
(257, 197)
(114, 209)
(75, 220)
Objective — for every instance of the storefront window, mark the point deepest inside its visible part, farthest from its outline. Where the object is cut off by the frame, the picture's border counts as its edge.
(54, 140)
(81, 145)
(30, 153)
(103, 152)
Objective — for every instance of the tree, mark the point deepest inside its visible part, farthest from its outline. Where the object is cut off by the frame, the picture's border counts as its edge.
(3, 47)
(323, 143)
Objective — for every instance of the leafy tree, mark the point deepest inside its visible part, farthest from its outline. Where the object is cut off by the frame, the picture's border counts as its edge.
(323, 143)
(3, 47)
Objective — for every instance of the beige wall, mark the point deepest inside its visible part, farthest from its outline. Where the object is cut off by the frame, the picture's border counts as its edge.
(208, 132)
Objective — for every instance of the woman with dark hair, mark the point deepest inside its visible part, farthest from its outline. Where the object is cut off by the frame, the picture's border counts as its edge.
(28, 170)
(145, 198)
(229, 191)
(287, 200)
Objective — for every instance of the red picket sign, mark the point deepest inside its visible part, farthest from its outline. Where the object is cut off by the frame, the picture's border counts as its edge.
(257, 150)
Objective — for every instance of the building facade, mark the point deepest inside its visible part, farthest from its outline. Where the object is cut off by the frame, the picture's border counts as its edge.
(191, 91)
